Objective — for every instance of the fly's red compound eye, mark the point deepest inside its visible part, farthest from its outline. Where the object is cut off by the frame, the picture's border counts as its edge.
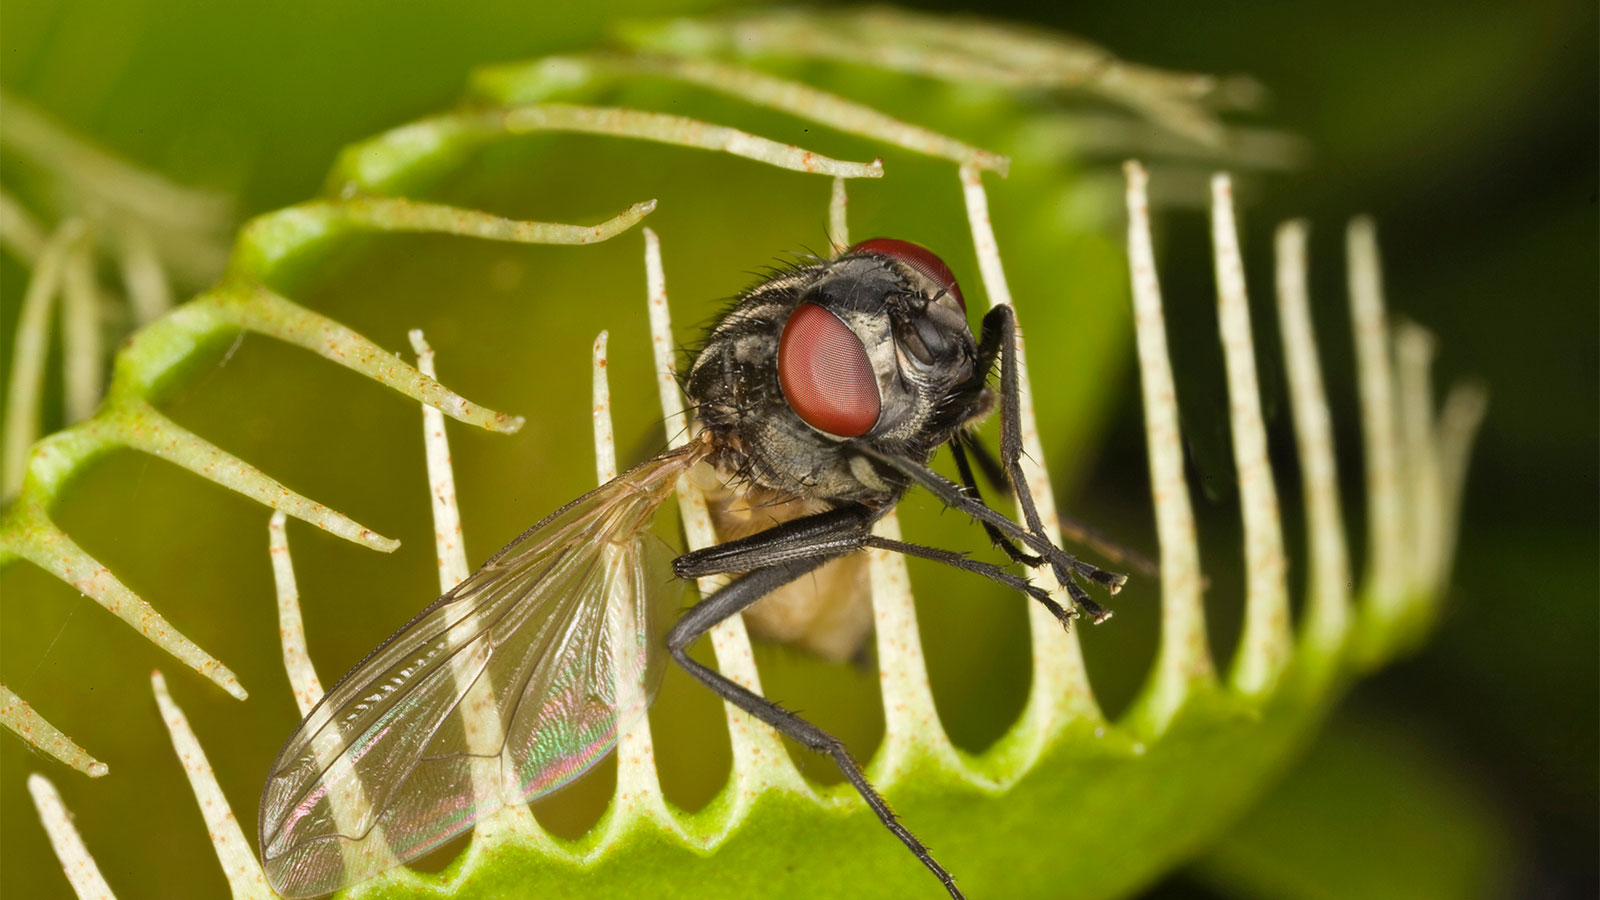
(917, 257)
(825, 374)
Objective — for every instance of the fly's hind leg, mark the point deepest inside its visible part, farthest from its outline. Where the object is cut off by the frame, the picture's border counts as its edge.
(729, 601)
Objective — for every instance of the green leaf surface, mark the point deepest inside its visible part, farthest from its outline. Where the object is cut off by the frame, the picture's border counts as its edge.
(1372, 811)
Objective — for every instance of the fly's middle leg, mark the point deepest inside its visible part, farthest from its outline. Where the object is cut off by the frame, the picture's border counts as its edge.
(834, 533)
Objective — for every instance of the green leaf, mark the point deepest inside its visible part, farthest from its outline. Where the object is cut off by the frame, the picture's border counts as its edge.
(1372, 811)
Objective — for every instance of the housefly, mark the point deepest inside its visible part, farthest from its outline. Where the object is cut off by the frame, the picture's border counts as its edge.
(820, 395)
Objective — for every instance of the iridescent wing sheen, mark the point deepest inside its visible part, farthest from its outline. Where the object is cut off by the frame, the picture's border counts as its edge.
(502, 690)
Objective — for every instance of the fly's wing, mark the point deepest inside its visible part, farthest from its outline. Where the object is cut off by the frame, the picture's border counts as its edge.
(506, 688)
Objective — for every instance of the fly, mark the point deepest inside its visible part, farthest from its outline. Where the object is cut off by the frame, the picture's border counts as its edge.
(822, 392)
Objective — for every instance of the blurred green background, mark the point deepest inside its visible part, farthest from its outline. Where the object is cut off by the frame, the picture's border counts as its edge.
(1467, 130)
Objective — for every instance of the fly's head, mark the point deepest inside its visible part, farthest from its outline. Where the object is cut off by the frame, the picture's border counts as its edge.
(868, 348)
(878, 350)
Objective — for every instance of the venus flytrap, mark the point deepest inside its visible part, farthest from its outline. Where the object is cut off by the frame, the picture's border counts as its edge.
(1137, 795)
(1252, 721)
(274, 245)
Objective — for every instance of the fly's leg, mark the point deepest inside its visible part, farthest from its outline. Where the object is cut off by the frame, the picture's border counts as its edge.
(959, 452)
(991, 572)
(999, 337)
(1072, 529)
(992, 471)
(955, 497)
(729, 601)
(834, 533)
(1000, 340)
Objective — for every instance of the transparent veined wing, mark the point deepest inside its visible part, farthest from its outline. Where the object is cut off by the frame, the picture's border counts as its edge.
(504, 689)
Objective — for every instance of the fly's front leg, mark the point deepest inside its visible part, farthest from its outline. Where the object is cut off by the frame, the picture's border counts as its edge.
(1000, 337)
(953, 496)
(989, 353)
(959, 452)
(730, 600)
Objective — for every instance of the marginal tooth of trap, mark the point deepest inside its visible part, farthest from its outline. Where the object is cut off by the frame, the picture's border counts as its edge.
(234, 853)
(1327, 615)
(1413, 355)
(534, 82)
(20, 233)
(1035, 58)
(399, 214)
(303, 678)
(76, 863)
(759, 757)
(21, 719)
(1264, 647)
(1463, 412)
(82, 353)
(480, 714)
(140, 426)
(267, 240)
(788, 33)
(265, 312)
(106, 178)
(960, 50)
(1386, 525)
(638, 792)
(912, 732)
(47, 547)
(143, 276)
(662, 346)
(838, 217)
(1060, 689)
(349, 802)
(669, 129)
(447, 537)
(29, 354)
(1183, 662)
(605, 444)
(1097, 134)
